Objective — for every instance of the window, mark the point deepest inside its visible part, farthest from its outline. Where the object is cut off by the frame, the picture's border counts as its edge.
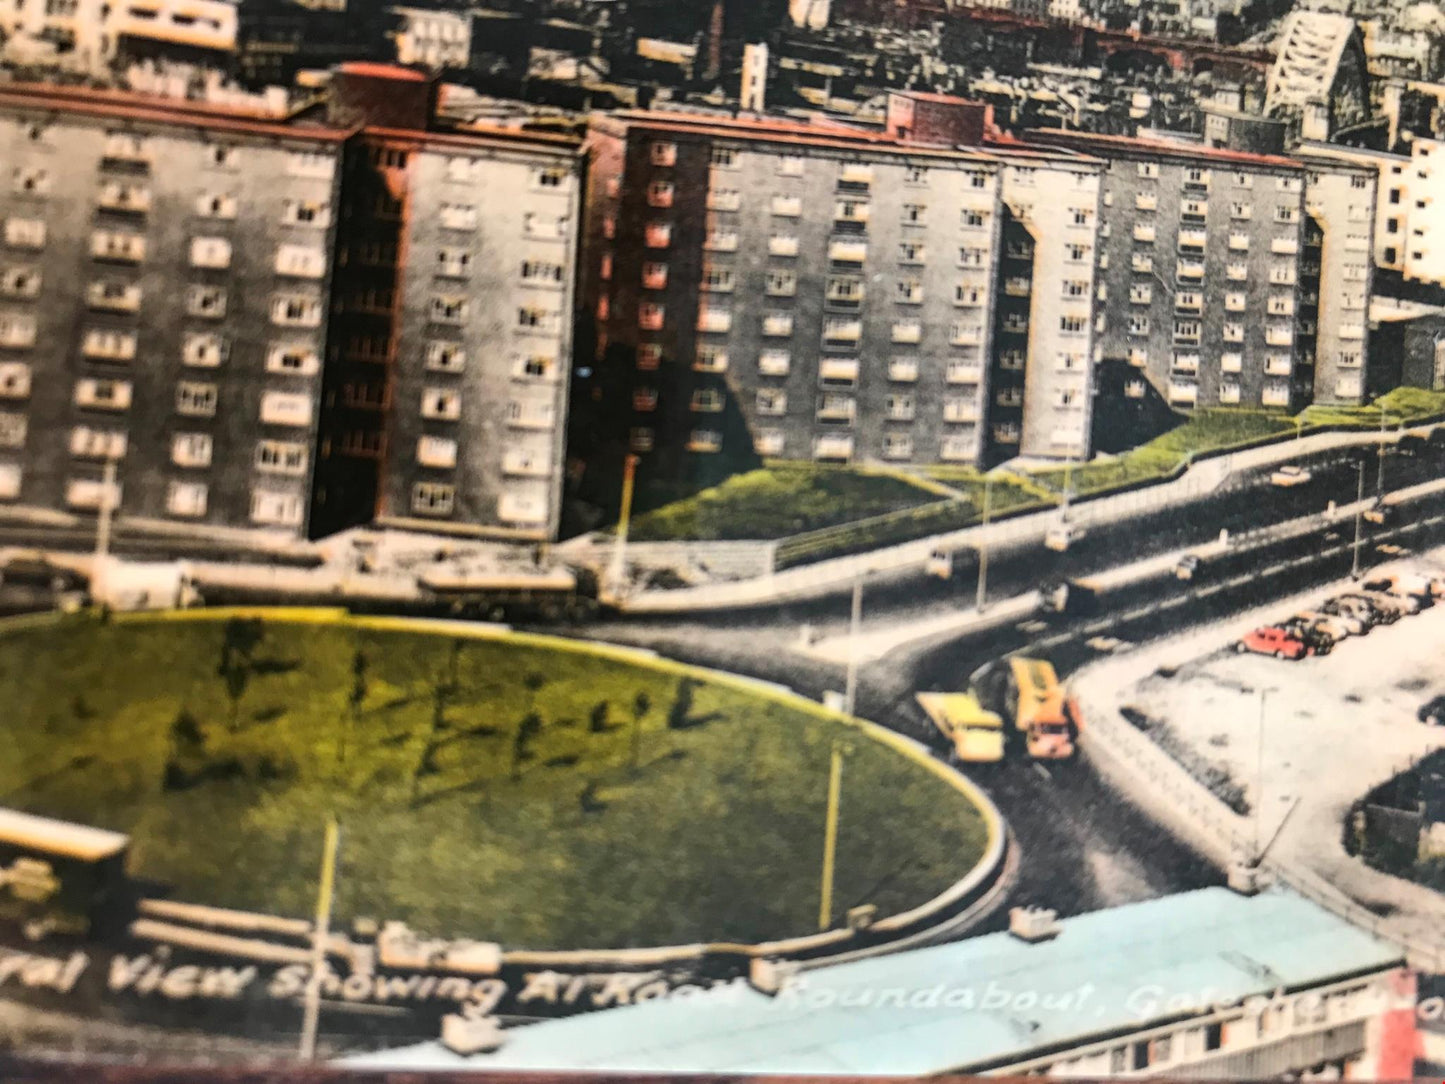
(778, 324)
(206, 301)
(658, 234)
(106, 344)
(1141, 293)
(911, 252)
(196, 400)
(30, 181)
(277, 509)
(115, 246)
(300, 261)
(103, 394)
(210, 252)
(550, 178)
(774, 362)
(125, 147)
(974, 219)
(191, 449)
(203, 351)
(1073, 325)
(711, 359)
(968, 294)
(660, 194)
(1076, 253)
(25, 233)
(909, 292)
(724, 199)
(781, 244)
(772, 402)
(790, 165)
(1081, 216)
(781, 283)
(14, 380)
(285, 408)
(915, 214)
(88, 443)
(1233, 332)
(186, 498)
(540, 272)
(445, 357)
(20, 282)
(649, 356)
(298, 212)
(13, 428)
(707, 401)
(1138, 325)
(311, 164)
(641, 439)
(220, 205)
(1148, 170)
(651, 316)
(903, 370)
(904, 331)
(897, 446)
(439, 453)
(441, 404)
(770, 442)
(898, 408)
(294, 310)
(724, 158)
(458, 216)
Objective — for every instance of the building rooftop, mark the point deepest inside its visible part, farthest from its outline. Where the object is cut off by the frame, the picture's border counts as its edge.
(372, 70)
(825, 132)
(1105, 144)
(970, 1005)
(124, 105)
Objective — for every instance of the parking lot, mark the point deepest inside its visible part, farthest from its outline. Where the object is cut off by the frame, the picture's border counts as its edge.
(1324, 730)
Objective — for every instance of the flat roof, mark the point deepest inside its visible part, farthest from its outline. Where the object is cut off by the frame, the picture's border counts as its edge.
(821, 133)
(927, 1011)
(59, 837)
(373, 70)
(125, 105)
(1100, 144)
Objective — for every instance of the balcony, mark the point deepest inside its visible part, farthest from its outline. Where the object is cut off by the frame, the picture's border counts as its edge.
(113, 296)
(961, 410)
(1239, 242)
(1189, 271)
(1186, 363)
(777, 326)
(705, 441)
(721, 242)
(965, 335)
(1183, 394)
(1193, 238)
(1142, 264)
(907, 333)
(1138, 357)
(774, 363)
(526, 463)
(835, 446)
(856, 174)
(1229, 394)
(1284, 246)
(837, 410)
(963, 372)
(1144, 233)
(724, 200)
(1017, 286)
(1355, 332)
(1279, 335)
(848, 251)
(1146, 201)
(715, 321)
(1278, 365)
(125, 199)
(838, 371)
(787, 206)
(842, 331)
(1276, 395)
(856, 214)
(783, 246)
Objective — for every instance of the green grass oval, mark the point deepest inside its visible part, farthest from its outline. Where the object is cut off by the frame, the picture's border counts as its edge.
(533, 792)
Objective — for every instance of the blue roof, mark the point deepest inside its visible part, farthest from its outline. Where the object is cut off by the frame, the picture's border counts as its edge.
(986, 1000)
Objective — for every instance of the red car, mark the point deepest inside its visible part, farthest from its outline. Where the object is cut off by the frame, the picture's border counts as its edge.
(1272, 640)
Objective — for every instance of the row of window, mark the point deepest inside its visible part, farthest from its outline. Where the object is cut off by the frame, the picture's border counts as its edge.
(961, 446)
(522, 507)
(663, 153)
(183, 498)
(445, 405)
(193, 398)
(1187, 330)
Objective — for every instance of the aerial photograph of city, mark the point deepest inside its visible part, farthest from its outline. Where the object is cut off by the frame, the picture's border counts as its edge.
(808, 537)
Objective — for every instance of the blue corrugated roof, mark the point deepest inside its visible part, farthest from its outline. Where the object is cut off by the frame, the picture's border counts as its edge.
(970, 1003)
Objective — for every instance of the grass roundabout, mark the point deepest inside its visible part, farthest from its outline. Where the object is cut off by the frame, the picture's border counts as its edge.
(528, 790)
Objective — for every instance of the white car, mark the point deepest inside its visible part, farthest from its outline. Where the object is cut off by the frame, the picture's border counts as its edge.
(1060, 538)
(1291, 475)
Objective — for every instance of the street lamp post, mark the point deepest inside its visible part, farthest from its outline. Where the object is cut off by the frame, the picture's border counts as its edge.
(855, 624)
(617, 567)
(830, 837)
(101, 561)
(321, 933)
(982, 598)
(1259, 775)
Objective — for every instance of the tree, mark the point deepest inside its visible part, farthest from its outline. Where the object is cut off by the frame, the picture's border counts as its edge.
(641, 705)
(238, 648)
(527, 731)
(597, 721)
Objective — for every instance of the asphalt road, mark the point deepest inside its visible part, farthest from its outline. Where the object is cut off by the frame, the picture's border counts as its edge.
(1083, 845)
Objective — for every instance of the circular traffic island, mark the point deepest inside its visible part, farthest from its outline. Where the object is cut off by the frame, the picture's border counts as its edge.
(532, 791)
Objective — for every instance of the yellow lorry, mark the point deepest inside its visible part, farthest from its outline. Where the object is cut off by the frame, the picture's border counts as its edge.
(973, 732)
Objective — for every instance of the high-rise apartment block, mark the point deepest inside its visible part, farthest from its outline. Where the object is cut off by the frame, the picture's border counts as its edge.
(765, 288)
(164, 283)
(175, 298)
(1231, 278)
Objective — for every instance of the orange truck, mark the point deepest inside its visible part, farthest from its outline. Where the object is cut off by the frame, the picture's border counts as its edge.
(1041, 709)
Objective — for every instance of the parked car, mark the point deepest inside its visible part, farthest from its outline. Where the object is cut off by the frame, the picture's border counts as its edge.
(1404, 605)
(1360, 607)
(1316, 637)
(1061, 537)
(36, 570)
(1432, 712)
(1338, 626)
(1273, 640)
(1291, 475)
(1402, 587)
